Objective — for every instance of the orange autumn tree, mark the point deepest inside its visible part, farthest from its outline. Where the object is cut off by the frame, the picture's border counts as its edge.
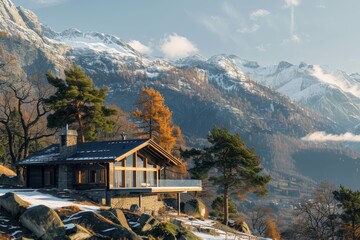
(272, 231)
(156, 119)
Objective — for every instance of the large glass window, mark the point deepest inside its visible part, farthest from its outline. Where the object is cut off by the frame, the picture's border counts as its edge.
(136, 171)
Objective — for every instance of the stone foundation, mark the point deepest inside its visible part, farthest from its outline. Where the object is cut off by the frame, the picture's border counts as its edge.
(149, 202)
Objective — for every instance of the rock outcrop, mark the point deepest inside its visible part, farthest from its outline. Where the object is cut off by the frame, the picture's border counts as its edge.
(101, 226)
(121, 217)
(13, 204)
(195, 208)
(77, 232)
(43, 222)
(146, 222)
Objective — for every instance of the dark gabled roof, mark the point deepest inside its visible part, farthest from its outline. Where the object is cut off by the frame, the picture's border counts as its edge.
(47, 155)
(107, 151)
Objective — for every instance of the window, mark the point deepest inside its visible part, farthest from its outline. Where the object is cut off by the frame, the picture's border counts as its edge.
(135, 171)
(119, 178)
(130, 161)
(150, 165)
(141, 176)
(91, 176)
(129, 179)
(151, 179)
(140, 161)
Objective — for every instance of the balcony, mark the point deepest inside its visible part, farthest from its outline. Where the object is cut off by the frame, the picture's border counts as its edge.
(164, 186)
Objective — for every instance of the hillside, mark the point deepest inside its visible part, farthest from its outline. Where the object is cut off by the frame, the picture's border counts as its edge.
(272, 107)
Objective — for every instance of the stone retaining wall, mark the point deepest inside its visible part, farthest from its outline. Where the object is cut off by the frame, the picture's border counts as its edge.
(150, 202)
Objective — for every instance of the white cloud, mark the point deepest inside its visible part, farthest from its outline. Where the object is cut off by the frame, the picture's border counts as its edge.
(138, 46)
(252, 29)
(261, 48)
(293, 39)
(324, 137)
(292, 3)
(39, 3)
(259, 13)
(175, 46)
(332, 80)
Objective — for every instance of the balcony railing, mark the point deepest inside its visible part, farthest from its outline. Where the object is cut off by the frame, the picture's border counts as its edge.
(166, 183)
(179, 183)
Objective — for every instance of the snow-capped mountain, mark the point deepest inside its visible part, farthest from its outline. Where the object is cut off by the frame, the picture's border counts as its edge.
(329, 92)
(260, 102)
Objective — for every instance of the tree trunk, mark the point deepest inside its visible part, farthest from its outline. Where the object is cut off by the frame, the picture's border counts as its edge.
(226, 205)
(20, 175)
(10, 144)
(81, 128)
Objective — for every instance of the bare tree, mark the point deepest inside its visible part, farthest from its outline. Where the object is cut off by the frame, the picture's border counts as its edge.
(259, 218)
(318, 216)
(23, 115)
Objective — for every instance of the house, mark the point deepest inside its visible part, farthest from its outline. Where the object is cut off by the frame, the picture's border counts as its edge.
(115, 173)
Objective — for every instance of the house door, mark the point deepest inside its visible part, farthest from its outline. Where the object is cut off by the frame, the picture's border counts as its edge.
(34, 177)
(49, 177)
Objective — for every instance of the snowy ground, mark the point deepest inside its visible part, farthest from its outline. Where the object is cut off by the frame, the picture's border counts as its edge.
(219, 234)
(36, 198)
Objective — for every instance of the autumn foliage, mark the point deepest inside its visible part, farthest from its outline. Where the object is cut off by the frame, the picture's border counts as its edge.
(156, 119)
(272, 231)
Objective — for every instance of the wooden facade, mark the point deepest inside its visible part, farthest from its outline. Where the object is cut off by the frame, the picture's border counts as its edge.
(138, 168)
(42, 176)
(120, 167)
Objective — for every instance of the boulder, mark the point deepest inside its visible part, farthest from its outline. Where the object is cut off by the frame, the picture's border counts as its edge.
(77, 232)
(146, 222)
(13, 204)
(110, 216)
(242, 226)
(101, 226)
(195, 208)
(43, 222)
(170, 202)
(169, 231)
(121, 217)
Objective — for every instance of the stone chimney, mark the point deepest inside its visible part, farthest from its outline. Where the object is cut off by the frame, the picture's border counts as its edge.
(68, 141)
(123, 136)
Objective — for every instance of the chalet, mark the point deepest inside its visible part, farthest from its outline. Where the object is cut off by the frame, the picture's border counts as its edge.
(116, 173)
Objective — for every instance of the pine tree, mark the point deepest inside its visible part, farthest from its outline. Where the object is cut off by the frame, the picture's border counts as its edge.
(218, 206)
(78, 101)
(238, 167)
(349, 201)
(156, 119)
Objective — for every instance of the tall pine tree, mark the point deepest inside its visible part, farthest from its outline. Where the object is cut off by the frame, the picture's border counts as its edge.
(238, 168)
(77, 101)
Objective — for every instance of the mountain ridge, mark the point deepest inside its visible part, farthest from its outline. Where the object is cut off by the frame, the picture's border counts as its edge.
(223, 90)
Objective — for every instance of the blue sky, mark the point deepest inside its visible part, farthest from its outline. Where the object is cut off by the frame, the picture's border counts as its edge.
(268, 31)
